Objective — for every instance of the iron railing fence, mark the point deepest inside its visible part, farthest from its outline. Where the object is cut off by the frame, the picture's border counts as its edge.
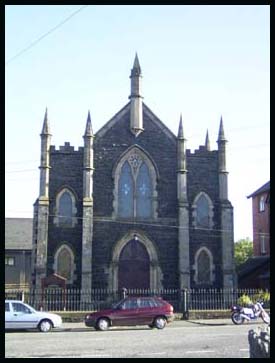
(58, 299)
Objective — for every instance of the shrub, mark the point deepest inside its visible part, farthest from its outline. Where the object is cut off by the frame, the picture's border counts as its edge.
(244, 300)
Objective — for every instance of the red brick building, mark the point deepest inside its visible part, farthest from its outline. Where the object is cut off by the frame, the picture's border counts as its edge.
(261, 217)
(255, 272)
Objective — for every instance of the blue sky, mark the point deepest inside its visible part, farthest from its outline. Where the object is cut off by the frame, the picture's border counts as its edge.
(201, 61)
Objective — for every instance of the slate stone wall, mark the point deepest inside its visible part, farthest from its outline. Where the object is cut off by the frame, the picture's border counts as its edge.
(66, 171)
(202, 176)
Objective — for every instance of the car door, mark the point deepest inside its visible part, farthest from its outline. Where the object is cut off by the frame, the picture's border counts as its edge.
(22, 317)
(126, 313)
(146, 311)
(8, 316)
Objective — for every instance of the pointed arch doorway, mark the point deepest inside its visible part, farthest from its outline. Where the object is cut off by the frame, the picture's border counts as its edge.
(134, 266)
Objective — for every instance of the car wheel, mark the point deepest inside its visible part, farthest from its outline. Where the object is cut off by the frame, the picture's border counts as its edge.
(45, 326)
(102, 324)
(160, 322)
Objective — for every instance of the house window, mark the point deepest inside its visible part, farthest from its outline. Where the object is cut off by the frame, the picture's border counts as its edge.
(135, 186)
(262, 244)
(262, 204)
(9, 261)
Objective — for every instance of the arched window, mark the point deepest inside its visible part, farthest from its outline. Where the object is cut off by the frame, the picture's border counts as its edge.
(65, 209)
(64, 263)
(135, 186)
(204, 267)
(203, 211)
(144, 192)
(126, 192)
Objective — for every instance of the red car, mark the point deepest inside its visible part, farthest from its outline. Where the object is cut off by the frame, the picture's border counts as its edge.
(152, 311)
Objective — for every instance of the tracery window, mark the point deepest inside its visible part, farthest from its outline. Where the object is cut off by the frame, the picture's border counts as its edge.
(135, 186)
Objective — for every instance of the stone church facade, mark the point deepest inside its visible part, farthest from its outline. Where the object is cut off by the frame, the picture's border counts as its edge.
(133, 207)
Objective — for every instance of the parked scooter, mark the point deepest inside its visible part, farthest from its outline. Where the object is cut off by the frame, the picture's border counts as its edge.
(253, 312)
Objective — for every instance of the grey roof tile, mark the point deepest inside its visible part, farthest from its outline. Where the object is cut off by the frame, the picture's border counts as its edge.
(18, 233)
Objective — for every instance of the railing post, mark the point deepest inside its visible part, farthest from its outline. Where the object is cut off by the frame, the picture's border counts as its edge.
(184, 304)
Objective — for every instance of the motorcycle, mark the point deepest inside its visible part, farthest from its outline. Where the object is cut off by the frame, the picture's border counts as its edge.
(253, 312)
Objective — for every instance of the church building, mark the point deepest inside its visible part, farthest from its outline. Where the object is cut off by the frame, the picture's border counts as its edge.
(133, 207)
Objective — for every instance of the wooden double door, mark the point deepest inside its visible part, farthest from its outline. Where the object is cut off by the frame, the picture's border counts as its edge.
(134, 266)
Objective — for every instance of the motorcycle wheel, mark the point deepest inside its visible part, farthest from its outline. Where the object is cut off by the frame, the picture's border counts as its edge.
(237, 319)
(265, 317)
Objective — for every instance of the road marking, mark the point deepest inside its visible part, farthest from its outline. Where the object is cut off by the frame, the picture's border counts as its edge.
(199, 351)
(244, 350)
(156, 353)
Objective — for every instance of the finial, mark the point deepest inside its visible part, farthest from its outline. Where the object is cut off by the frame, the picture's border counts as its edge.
(180, 131)
(207, 143)
(136, 70)
(221, 131)
(89, 129)
(46, 128)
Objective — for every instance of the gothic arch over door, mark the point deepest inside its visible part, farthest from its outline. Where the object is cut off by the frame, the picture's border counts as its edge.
(134, 266)
(147, 253)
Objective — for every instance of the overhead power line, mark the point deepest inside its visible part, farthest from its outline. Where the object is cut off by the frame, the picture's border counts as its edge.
(45, 35)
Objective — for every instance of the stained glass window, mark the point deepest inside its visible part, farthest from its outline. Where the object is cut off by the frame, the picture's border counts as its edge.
(135, 189)
(144, 192)
(126, 192)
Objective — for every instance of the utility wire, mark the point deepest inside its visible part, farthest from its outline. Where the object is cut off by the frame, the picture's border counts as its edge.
(211, 232)
(45, 35)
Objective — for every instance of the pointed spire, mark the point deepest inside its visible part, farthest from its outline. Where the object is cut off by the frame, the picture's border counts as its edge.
(221, 132)
(46, 127)
(180, 131)
(136, 70)
(89, 129)
(207, 143)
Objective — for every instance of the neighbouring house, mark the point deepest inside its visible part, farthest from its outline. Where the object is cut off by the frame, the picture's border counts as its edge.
(261, 220)
(18, 250)
(255, 272)
(133, 207)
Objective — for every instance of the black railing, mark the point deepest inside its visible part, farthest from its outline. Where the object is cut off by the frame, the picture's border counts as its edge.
(58, 299)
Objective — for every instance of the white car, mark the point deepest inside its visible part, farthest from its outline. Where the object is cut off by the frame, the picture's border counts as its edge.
(19, 315)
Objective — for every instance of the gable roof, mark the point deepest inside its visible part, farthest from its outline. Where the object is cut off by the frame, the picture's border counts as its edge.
(146, 110)
(18, 233)
(262, 189)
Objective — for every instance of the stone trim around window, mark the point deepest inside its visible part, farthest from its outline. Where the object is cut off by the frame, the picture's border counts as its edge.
(212, 266)
(55, 265)
(135, 156)
(155, 269)
(56, 219)
(211, 211)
